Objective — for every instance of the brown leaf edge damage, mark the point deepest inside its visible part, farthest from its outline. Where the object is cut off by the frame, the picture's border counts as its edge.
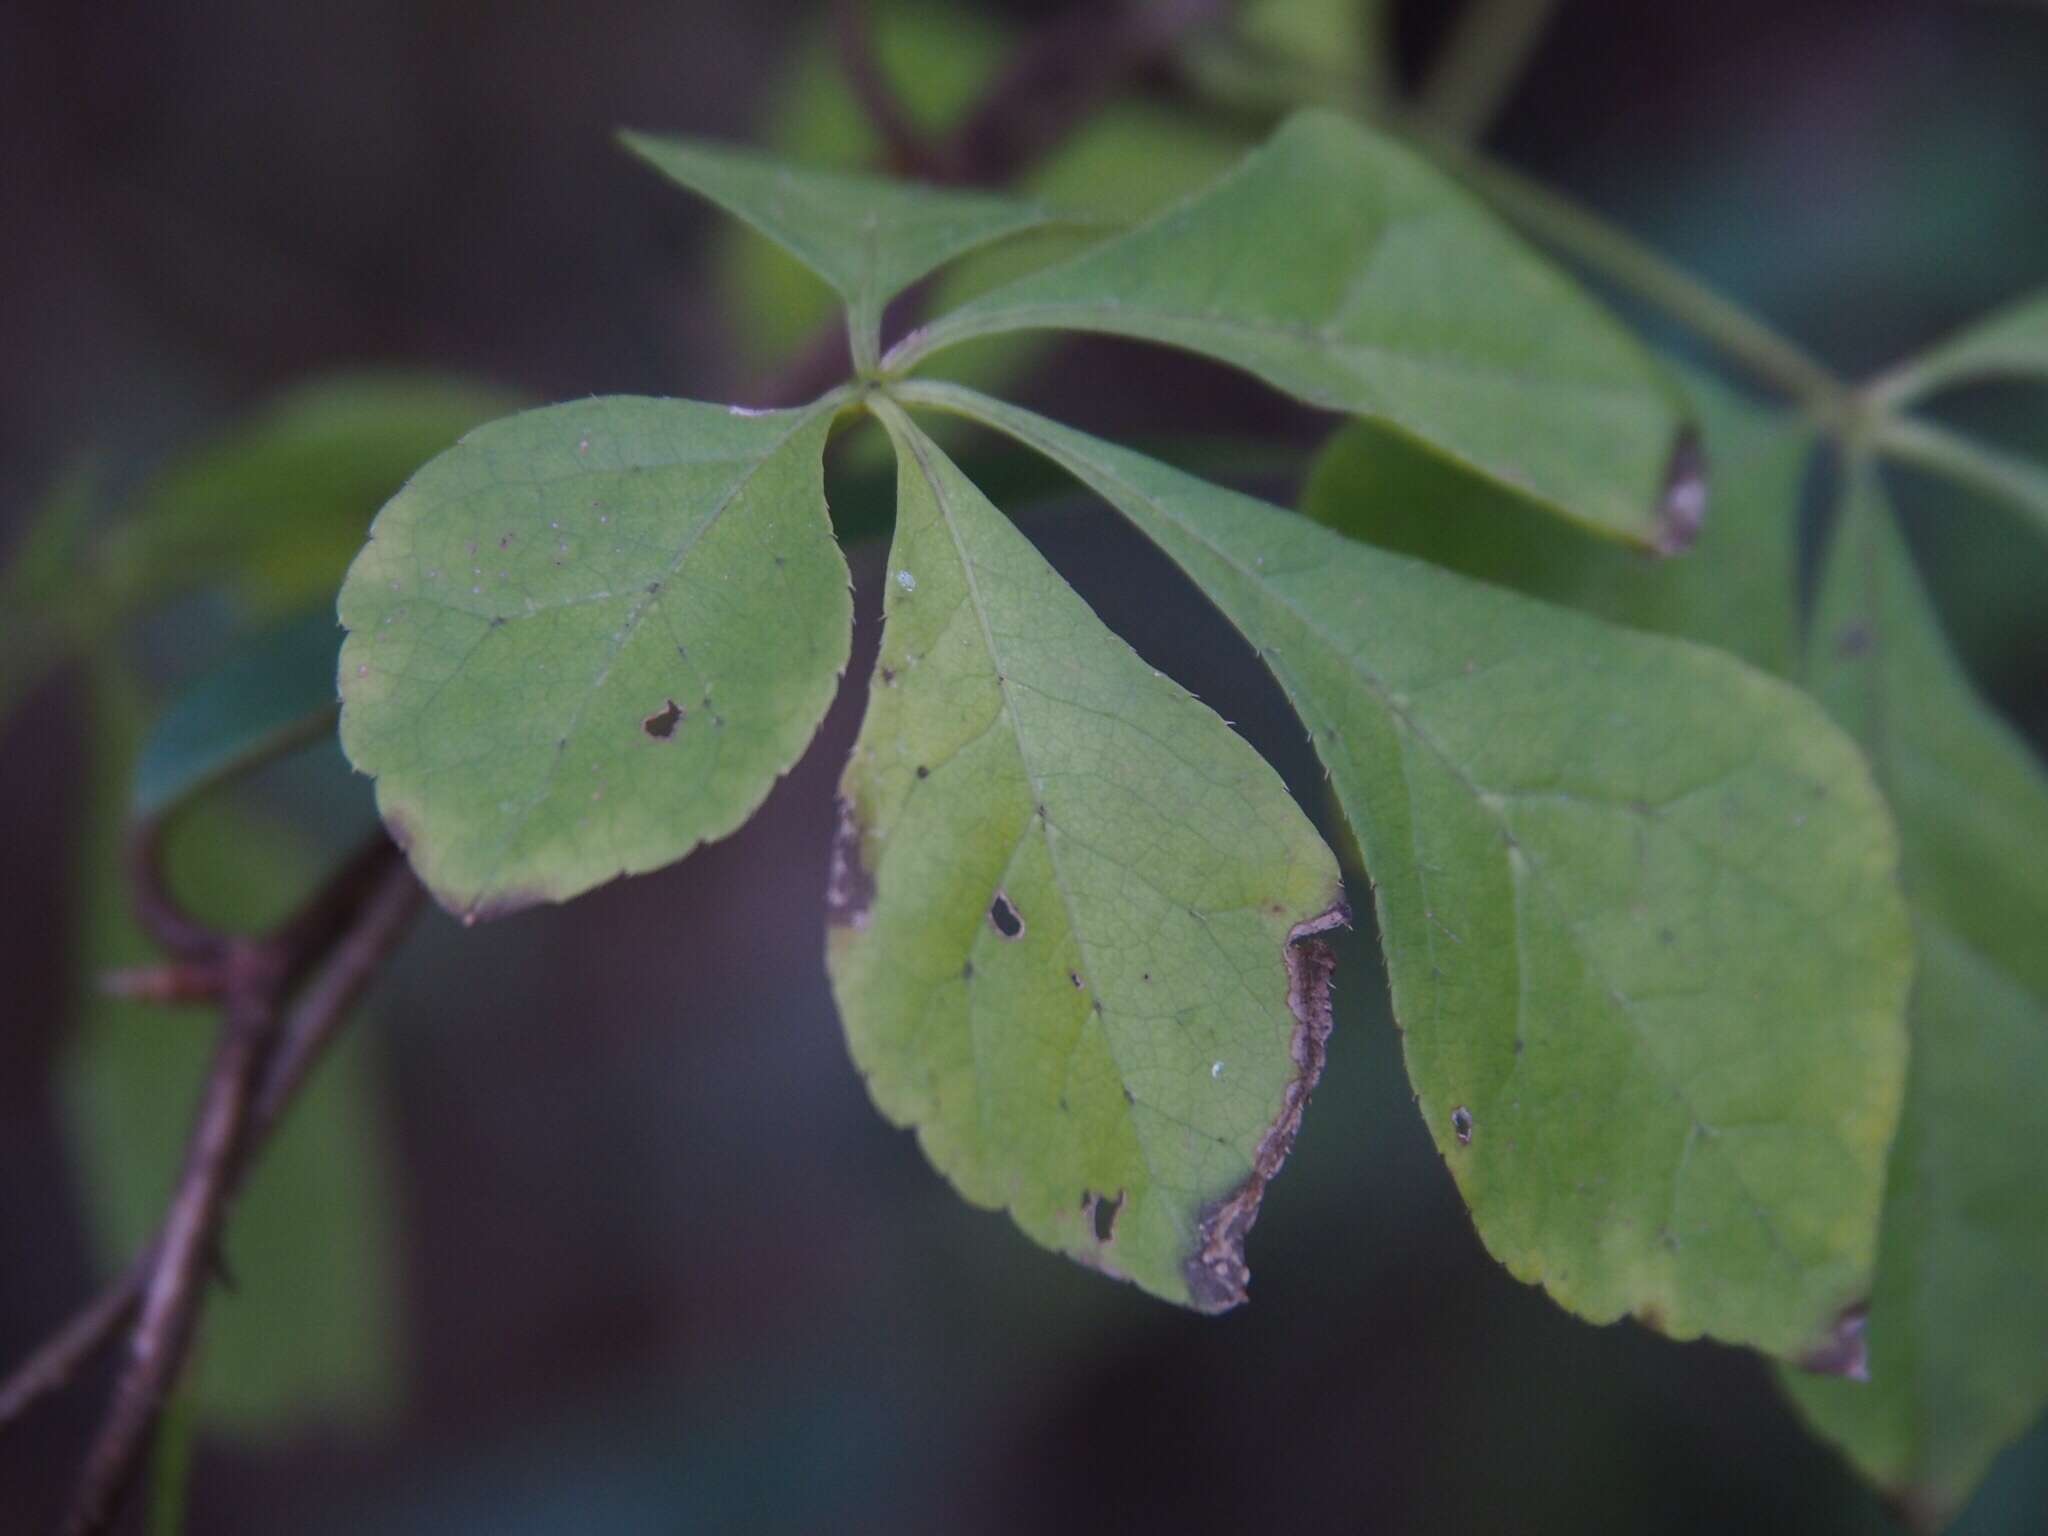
(1846, 1349)
(1682, 509)
(849, 887)
(1216, 1272)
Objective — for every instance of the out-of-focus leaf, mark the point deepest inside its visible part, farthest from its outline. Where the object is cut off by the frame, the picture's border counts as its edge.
(308, 1329)
(2007, 479)
(45, 612)
(2011, 344)
(591, 637)
(1736, 588)
(277, 689)
(1070, 912)
(1341, 268)
(1280, 54)
(170, 1466)
(1958, 1327)
(273, 511)
(867, 236)
(277, 506)
(1639, 908)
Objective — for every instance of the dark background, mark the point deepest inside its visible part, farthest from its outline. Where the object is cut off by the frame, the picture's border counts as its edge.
(663, 1267)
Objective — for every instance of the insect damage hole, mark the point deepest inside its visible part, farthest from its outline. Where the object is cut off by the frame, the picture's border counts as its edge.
(1102, 1211)
(1005, 918)
(663, 722)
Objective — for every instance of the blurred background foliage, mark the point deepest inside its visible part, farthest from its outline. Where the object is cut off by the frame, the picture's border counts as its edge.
(590, 1226)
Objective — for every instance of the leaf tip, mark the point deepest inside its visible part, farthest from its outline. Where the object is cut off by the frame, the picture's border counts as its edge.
(1216, 1273)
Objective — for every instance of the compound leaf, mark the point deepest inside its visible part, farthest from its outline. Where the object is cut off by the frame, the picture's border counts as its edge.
(589, 637)
(1070, 911)
(869, 237)
(1958, 1330)
(1639, 908)
(1343, 269)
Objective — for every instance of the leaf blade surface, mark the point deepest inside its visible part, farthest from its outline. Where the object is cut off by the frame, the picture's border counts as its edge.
(1071, 912)
(1959, 1320)
(1663, 1071)
(1343, 269)
(590, 637)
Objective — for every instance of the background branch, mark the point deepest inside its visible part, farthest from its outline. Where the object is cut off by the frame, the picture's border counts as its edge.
(284, 997)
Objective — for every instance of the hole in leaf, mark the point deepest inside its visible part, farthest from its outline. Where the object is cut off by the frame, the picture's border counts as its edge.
(663, 722)
(1461, 1122)
(1007, 920)
(1102, 1213)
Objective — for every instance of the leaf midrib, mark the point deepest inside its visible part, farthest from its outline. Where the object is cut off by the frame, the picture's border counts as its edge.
(1381, 692)
(631, 625)
(912, 437)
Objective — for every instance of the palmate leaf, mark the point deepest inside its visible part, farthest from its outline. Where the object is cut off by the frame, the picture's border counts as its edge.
(1344, 270)
(870, 238)
(1958, 1327)
(1072, 911)
(589, 637)
(1639, 909)
(1736, 588)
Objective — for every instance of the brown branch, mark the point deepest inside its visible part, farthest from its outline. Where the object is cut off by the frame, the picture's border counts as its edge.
(173, 981)
(72, 1347)
(1063, 75)
(176, 1288)
(319, 961)
(159, 913)
(905, 148)
(323, 1006)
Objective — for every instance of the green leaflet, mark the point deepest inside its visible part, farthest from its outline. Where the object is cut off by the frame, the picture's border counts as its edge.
(936, 58)
(1638, 903)
(307, 1333)
(1071, 911)
(589, 637)
(868, 237)
(1736, 588)
(1131, 156)
(2013, 343)
(1958, 1327)
(1343, 269)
